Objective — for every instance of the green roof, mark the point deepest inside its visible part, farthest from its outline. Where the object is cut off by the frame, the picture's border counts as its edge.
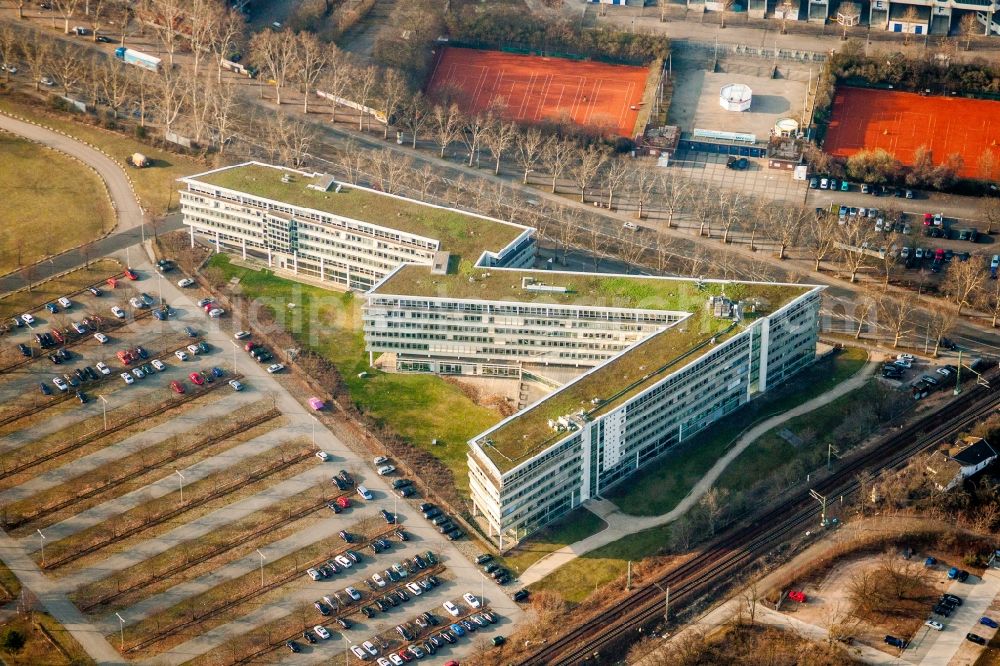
(635, 370)
(613, 291)
(461, 234)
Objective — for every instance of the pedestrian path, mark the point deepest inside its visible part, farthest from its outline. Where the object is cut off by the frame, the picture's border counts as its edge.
(621, 525)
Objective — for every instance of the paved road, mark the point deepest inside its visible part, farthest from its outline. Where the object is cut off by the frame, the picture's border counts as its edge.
(620, 525)
(949, 645)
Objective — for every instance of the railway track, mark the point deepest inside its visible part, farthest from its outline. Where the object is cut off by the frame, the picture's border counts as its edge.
(742, 545)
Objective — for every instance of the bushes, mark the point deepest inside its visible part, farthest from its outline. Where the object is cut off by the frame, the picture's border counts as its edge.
(13, 640)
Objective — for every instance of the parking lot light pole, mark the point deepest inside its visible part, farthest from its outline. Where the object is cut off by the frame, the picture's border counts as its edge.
(261, 567)
(104, 407)
(41, 540)
(121, 621)
(666, 601)
(347, 651)
(181, 478)
(235, 347)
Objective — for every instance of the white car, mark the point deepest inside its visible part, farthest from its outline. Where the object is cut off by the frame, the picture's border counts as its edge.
(100, 337)
(378, 580)
(343, 561)
(194, 349)
(117, 311)
(129, 379)
(380, 460)
(136, 302)
(471, 600)
(236, 385)
(158, 364)
(452, 609)
(241, 335)
(385, 470)
(905, 357)
(277, 367)
(65, 302)
(322, 455)
(181, 354)
(396, 659)
(103, 368)
(415, 589)
(321, 631)
(203, 302)
(382, 661)
(353, 593)
(27, 319)
(186, 282)
(139, 374)
(60, 383)
(934, 624)
(215, 313)
(314, 574)
(370, 648)
(358, 652)
(938, 219)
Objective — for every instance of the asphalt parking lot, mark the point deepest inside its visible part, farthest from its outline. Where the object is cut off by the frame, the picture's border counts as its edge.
(20, 386)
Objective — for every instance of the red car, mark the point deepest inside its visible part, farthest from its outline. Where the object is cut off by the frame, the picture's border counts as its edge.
(58, 336)
(928, 219)
(177, 386)
(405, 655)
(112, 282)
(797, 595)
(208, 306)
(343, 502)
(196, 378)
(125, 357)
(250, 346)
(130, 274)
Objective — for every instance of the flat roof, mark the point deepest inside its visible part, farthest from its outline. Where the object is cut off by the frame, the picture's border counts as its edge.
(463, 234)
(631, 372)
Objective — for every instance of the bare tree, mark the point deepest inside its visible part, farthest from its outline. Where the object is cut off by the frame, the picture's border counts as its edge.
(66, 9)
(278, 56)
(144, 85)
(989, 210)
(115, 84)
(224, 113)
(939, 325)
(589, 161)
(290, 139)
(964, 280)
(37, 54)
(640, 183)
(312, 57)
(784, 227)
(166, 17)
(9, 46)
(473, 130)
(171, 92)
(897, 315)
(731, 206)
(224, 38)
(530, 144)
(676, 193)
(365, 81)
(968, 27)
(336, 81)
(395, 91)
(69, 66)
(822, 236)
(415, 116)
(204, 19)
(854, 243)
(498, 137)
(989, 301)
(864, 309)
(390, 169)
(617, 173)
(713, 503)
(556, 156)
(448, 123)
(95, 14)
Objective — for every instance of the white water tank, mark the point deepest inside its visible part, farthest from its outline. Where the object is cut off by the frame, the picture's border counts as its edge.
(735, 97)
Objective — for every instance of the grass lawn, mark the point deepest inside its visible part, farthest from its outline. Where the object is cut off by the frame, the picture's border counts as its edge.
(38, 650)
(659, 488)
(41, 215)
(420, 408)
(577, 524)
(42, 293)
(10, 586)
(155, 185)
(578, 579)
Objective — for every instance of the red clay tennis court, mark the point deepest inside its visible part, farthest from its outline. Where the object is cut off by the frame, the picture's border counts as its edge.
(901, 122)
(538, 88)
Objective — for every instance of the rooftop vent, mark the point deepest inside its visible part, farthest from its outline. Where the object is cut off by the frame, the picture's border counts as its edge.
(531, 284)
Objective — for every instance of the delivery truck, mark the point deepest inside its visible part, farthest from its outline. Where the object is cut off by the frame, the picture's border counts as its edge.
(138, 58)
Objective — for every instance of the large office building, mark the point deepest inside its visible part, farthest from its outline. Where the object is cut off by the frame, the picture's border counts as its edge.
(655, 360)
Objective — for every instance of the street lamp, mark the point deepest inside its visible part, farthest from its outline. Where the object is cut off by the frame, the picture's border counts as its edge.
(104, 408)
(121, 621)
(666, 601)
(41, 540)
(181, 476)
(261, 567)
(235, 347)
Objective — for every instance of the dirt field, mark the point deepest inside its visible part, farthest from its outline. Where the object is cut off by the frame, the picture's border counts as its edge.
(902, 122)
(536, 89)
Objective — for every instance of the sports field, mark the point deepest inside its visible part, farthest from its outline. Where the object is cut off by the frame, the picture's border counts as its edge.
(537, 88)
(901, 122)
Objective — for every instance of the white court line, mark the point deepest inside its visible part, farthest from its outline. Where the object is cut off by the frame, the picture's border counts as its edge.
(527, 96)
(545, 95)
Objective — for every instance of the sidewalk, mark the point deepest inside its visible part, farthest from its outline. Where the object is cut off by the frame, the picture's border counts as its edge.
(621, 525)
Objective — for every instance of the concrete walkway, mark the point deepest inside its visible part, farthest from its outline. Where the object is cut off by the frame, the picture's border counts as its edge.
(621, 525)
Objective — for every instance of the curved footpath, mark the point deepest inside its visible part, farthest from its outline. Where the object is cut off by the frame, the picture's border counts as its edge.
(48, 591)
(621, 525)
